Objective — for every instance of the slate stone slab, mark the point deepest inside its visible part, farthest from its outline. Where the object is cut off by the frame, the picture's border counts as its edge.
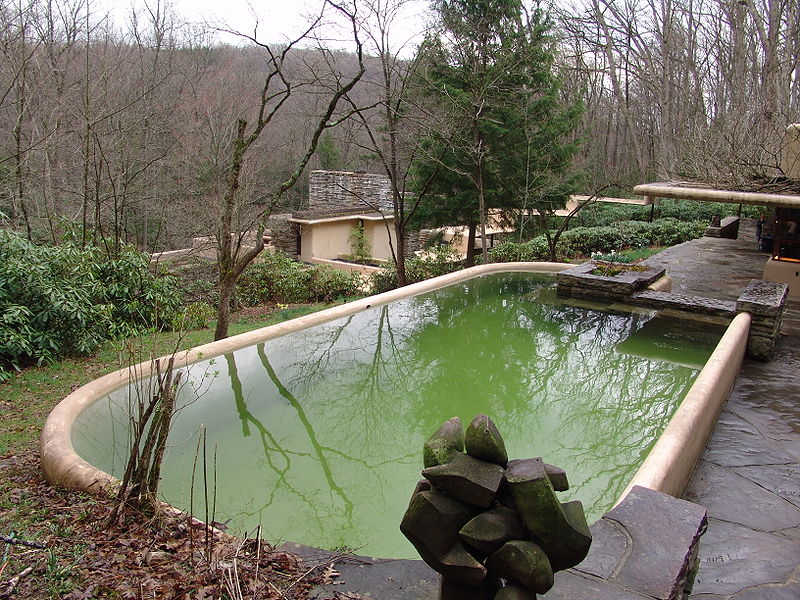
(371, 577)
(573, 586)
(734, 558)
(763, 298)
(610, 545)
(685, 302)
(737, 443)
(664, 531)
(774, 418)
(790, 591)
(737, 499)
(783, 480)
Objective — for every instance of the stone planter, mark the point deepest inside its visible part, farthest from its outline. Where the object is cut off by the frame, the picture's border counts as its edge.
(582, 281)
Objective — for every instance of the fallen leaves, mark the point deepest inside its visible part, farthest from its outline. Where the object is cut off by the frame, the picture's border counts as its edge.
(166, 557)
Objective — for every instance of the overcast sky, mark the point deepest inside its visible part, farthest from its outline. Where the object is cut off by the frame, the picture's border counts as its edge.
(278, 20)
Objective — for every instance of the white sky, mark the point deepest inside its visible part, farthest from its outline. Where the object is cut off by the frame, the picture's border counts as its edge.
(278, 20)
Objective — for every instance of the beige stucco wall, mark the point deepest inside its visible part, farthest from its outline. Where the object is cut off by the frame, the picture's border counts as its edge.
(378, 238)
(784, 271)
(325, 240)
(790, 153)
(331, 240)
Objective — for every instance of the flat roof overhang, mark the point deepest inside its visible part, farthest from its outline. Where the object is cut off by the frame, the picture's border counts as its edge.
(684, 190)
(354, 217)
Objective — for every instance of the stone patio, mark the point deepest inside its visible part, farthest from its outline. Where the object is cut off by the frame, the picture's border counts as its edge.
(749, 476)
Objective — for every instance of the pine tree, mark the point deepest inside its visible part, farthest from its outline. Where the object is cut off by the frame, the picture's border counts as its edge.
(501, 134)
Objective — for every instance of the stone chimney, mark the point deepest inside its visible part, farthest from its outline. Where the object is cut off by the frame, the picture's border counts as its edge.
(790, 153)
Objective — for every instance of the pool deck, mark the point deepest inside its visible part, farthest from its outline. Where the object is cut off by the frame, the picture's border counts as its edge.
(749, 475)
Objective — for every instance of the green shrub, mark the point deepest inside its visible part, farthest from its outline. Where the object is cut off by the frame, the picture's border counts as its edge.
(438, 260)
(196, 315)
(65, 300)
(583, 241)
(598, 214)
(278, 278)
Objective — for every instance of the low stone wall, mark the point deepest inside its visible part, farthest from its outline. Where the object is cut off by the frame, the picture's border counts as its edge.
(285, 235)
(582, 282)
(764, 300)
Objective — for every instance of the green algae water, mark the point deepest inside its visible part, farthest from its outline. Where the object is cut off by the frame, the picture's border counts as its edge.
(317, 436)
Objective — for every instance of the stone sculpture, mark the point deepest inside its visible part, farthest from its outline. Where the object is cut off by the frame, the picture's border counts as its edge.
(493, 528)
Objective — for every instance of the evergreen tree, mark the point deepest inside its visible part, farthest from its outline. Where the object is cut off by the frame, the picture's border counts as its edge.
(501, 133)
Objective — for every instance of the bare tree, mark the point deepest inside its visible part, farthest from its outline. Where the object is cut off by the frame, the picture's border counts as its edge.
(385, 116)
(233, 255)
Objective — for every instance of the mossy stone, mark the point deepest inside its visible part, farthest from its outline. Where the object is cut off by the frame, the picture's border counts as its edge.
(525, 563)
(467, 479)
(561, 530)
(491, 529)
(432, 522)
(446, 441)
(513, 591)
(482, 440)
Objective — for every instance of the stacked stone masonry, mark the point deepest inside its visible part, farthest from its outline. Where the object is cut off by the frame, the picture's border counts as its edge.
(345, 189)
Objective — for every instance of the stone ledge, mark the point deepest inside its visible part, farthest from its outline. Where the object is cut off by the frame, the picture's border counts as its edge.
(621, 285)
(694, 304)
(763, 298)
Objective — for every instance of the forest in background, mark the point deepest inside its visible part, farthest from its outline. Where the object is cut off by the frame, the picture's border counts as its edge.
(127, 133)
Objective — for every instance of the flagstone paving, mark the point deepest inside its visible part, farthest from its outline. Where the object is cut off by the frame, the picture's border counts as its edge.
(749, 475)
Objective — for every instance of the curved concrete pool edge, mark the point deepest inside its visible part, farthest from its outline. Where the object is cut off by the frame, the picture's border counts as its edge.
(672, 460)
(63, 466)
(667, 468)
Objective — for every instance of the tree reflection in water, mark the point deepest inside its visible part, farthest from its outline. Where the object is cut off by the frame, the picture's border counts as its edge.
(319, 433)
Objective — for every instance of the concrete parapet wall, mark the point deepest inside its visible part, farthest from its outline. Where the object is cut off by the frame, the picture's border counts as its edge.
(671, 462)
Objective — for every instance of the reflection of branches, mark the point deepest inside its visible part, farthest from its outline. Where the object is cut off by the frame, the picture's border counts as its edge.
(268, 441)
(322, 350)
(312, 436)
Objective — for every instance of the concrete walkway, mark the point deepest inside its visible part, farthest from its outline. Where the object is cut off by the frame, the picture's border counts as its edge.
(749, 476)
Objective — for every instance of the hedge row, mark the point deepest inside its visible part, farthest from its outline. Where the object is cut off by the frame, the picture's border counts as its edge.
(582, 241)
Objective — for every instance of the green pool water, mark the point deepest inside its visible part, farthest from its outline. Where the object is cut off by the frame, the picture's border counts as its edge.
(317, 436)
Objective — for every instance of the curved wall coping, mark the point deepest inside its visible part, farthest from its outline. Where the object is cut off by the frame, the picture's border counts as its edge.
(63, 466)
(667, 468)
(671, 462)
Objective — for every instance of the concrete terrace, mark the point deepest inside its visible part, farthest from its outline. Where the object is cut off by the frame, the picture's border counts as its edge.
(749, 475)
